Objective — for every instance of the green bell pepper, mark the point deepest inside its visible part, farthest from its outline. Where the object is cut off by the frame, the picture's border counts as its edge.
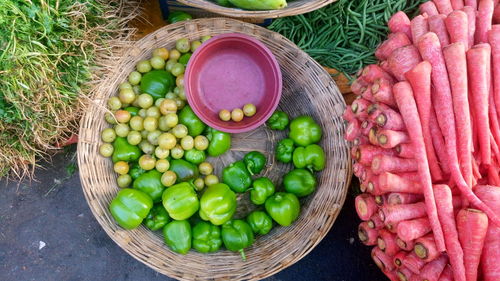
(262, 188)
(220, 142)
(259, 4)
(224, 3)
(177, 235)
(283, 207)
(206, 237)
(133, 110)
(311, 157)
(184, 170)
(191, 121)
(123, 151)
(278, 121)
(176, 16)
(217, 204)
(237, 177)
(300, 182)
(237, 235)
(195, 156)
(305, 131)
(255, 162)
(157, 217)
(260, 222)
(157, 83)
(136, 170)
(184, 59)
(284, 150)
(150, 183)
(130, 207)
(180, 201)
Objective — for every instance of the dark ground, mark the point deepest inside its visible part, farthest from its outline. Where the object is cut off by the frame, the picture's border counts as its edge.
(47, 232)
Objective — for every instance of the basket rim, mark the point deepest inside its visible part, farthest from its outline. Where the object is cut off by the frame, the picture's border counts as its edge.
(117, 236)
(210, 6)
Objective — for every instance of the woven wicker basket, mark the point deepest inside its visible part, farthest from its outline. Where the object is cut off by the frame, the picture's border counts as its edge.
(307, 89)
(296, 7)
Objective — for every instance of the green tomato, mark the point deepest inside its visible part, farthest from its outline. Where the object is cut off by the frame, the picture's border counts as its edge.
(124, 181)
(114, 103)
(134, 138)
(143, 66)
(110, 118)
(205, 38)
(182, 45)
(146, 147)
(136, 123)
(180, 131)
(161, 153)
(177, 152)
(153, 137)
(153, 111)
(145, 101)
(170, 63)
(108, 135)
(134, 78)
(162, 165)
(122, 130)
(150, 124)
(125, 85)
(195, 45)
(178, 69)
(106, 149)
(127, 96)
(187, 143)
(167, 141)
(157, 62)
(147, 162)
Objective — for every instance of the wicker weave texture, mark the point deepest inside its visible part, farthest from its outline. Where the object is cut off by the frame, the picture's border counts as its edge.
(307, 89)
(294, 8)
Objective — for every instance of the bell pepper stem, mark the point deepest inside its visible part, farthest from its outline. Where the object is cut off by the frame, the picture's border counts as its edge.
(243, 256)
(310, 168)
(249, 168)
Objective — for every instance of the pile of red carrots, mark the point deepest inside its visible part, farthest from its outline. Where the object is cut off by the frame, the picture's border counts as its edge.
(426, 142)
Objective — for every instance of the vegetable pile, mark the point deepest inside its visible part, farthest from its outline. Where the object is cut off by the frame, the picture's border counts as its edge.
(49, 53)
(159, 148)
(426, 134)
(344, 34)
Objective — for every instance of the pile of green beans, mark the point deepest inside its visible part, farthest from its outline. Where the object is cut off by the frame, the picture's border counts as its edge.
(345, 34)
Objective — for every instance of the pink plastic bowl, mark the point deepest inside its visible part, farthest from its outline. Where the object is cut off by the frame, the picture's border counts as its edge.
(229, 71)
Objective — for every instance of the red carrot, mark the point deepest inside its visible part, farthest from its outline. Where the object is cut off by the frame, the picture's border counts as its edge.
(359, 107)
(382, 92)
(390, 182)
(380, 199)
(471, 3)
(397, 213)
(438, 143)
(491, 251)
(405, 245)
(437, 25)
(360, 140)
(447, 274)
(430, 50)
(402, 60)
(390, 119)
(404, 98)
(420, 79)
(390, 138)
(471, 25)
(373, 186)
(433, 270)
(375, 222)
(446, 217)
(483, 20)
(358, 86)
(425, 248)
(412, 229)
(373, 111)
(495, 126)
(367, 235)
(367, 94)
(429, 8)
(398, 258)
(391, 275)
(419, 26)
(399, 22)
(387, 163)
(366, 126)
(456, 64)
(348, 115)
(478, 58)
(396, 198)
(443, 6)
(366, 153)
(413, 263)
(384, 65)
(456, 24)
(494, 39)
(373, 72)
(382, 260)
(387, 242)
(457, 4)
(353, 130)
(496, 15)
(405, 150)
(372, 136)
(394, 41)
(472, 226)
(404, 274)
(365, 206)
(358, 169)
